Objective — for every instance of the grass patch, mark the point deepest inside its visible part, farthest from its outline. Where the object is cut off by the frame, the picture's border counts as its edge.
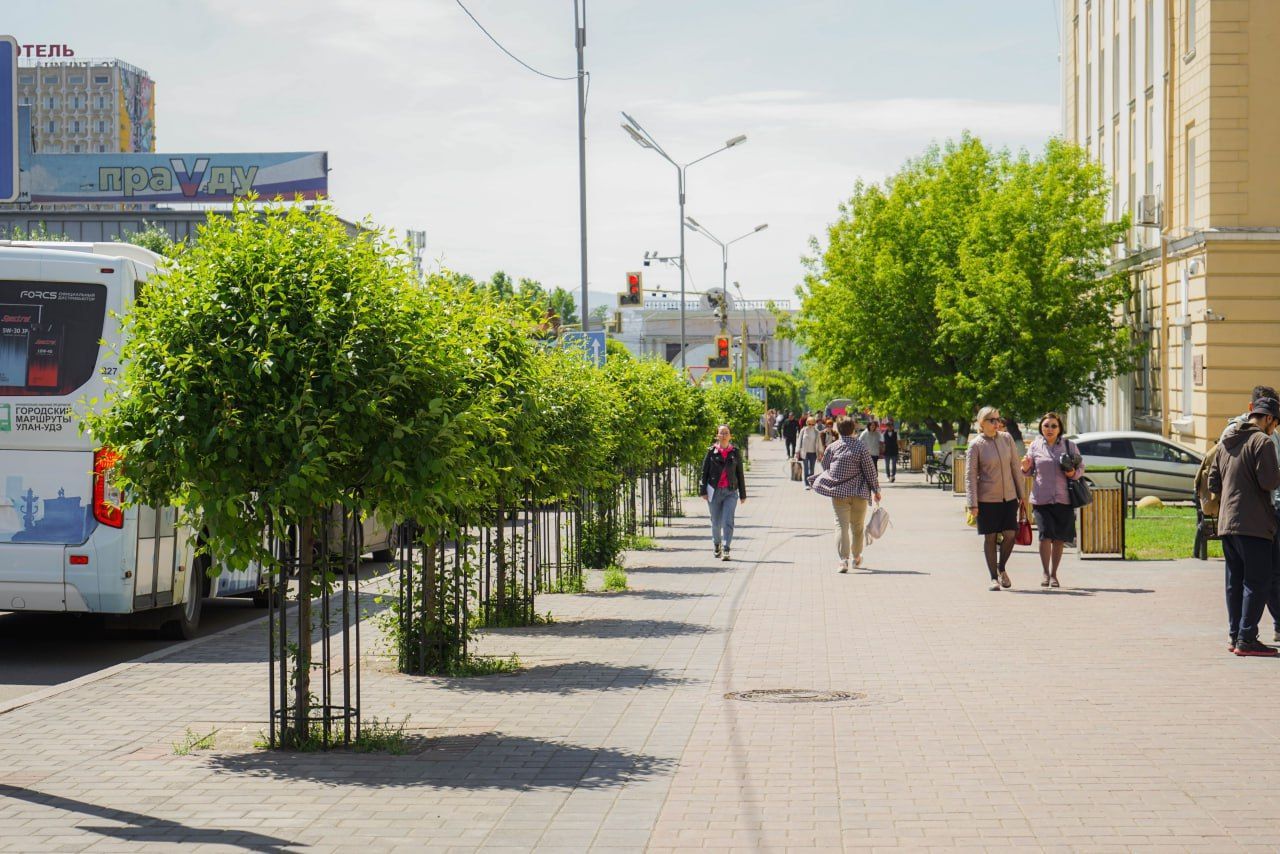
(1165, 533)
(192, 742)
(640, 543)
(483, 665)
(376, 736)
(615, 578)
(575, 583)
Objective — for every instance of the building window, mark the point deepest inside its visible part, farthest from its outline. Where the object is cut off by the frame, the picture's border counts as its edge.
(102, 127)
(1102, 74)
(51, 80)
(1115, 74)
(1189, 26)
(27, 78)
(1149, 49)
(53, 127)
(1189, 171)
(75, 127)
(1133, 54)
(102, 149)
(24, 102)
(75, 149)
(76, 80)
(102, 103)
(102, 78)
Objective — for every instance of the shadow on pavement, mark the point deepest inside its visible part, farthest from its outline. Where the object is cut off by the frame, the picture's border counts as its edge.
(141, 828)
(571, 678)
(867, 570)
(614, 628)
(491, 760)
(718, 566)
(643, 594)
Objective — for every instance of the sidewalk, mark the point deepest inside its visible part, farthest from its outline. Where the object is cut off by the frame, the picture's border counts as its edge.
(1106, 715)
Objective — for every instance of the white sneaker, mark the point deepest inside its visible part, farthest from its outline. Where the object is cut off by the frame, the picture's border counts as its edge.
(857, 561)
(844, 566)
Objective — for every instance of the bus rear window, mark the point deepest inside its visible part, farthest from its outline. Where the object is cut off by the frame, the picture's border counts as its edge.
(49, 336)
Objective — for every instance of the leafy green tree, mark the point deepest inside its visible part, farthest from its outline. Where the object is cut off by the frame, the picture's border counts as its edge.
(969, 277)
(784, 391)
(282, 365)
(729, 403)
(154, 237)
(615, 349)
(500, 286)
(562, 304)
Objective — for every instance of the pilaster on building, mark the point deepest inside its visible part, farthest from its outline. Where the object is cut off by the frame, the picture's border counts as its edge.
(1176, 100)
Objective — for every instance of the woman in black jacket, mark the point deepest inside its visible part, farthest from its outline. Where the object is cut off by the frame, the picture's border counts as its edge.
(722, 486)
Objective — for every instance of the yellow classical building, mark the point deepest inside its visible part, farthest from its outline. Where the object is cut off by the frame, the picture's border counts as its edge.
(1179, 100)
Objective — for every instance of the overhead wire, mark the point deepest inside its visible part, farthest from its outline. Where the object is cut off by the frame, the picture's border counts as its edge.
(509, 53)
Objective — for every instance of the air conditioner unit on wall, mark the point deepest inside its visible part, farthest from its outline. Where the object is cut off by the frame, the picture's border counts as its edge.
(1148, 211)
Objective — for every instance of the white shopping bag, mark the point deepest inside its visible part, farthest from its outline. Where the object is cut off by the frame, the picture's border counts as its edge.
(877, 525)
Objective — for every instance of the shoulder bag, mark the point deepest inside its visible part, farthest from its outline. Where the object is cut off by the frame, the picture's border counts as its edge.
(1078, 492)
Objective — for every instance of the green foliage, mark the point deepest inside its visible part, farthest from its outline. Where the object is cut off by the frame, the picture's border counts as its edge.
(39, 232)
(483, 665)
(639, 543)
(154, 237)
(615, 349)
(615, 578)
(729, 403)
(191, 742)
(969, 277)
(785, 392)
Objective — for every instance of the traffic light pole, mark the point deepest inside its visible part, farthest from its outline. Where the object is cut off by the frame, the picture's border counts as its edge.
(683, 368)
(580, 38)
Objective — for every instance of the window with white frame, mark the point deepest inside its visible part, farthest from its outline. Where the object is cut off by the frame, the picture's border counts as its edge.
(1189, 171)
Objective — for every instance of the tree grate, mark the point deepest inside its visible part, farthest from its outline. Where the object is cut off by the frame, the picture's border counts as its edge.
(794, 695)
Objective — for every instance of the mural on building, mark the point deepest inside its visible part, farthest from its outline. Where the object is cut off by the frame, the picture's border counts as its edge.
(137, 110)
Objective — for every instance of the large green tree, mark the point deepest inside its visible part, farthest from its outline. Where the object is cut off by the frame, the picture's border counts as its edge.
(969, 277)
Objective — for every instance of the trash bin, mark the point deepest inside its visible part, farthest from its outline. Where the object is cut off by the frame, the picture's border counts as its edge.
(1101, 533)
(957, 469)
(919, 453)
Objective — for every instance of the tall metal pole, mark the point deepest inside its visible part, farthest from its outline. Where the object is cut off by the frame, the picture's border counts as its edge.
(683, 370)
(580, 39)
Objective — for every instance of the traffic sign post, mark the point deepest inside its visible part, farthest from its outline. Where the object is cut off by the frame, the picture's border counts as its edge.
(8, 119)
(719, 376)
(592, 345)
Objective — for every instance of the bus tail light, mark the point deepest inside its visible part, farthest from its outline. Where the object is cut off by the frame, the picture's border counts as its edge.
(78, 560)
(106, 495)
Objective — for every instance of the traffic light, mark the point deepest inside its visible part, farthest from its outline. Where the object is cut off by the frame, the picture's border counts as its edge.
(721, 357)
(634, 295)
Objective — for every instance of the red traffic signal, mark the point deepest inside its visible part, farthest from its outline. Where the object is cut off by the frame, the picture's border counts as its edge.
(634, 294)
(722, 347)
(633, 284)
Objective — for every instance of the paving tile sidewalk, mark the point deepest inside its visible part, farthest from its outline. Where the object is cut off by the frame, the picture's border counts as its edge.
(1105, 715)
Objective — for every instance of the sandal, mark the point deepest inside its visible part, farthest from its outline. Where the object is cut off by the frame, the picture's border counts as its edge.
(1053, 582)
(1045, 582)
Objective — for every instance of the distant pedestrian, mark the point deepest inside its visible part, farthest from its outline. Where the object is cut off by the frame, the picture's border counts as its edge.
(889, 437)
(723, 486)
(790, 430)
(1054, 460)
(995, 492)
(827, 436)
(870, 436)
(850, 480)
(807, 446)
(1244, 472)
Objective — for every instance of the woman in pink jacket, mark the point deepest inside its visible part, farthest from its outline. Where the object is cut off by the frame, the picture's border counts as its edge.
(995, 491)
(1054, 460)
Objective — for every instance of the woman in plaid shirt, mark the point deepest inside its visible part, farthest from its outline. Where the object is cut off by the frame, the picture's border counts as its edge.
(850, 479)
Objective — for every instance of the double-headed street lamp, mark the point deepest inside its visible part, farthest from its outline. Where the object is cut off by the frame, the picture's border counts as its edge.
(724, 245)
(645, 140)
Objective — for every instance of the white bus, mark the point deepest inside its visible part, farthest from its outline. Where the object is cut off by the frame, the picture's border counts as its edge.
(65, 543)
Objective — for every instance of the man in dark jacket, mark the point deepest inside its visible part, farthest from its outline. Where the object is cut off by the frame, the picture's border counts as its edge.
(1244, 472)
(722, 485)
(790, 429)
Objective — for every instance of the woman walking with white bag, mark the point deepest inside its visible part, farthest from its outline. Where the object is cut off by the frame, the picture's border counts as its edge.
(850, 479)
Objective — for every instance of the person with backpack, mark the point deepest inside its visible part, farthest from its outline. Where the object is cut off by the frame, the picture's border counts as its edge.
(723, 486)
(1245, 473)
(1053, 460)
(1209, 501)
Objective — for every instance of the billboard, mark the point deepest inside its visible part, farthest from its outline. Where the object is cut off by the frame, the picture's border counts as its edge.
(134, 178)
(8, 119)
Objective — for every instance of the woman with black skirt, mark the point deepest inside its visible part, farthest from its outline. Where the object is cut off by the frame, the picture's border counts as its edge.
(1054, 460)
(995, 491)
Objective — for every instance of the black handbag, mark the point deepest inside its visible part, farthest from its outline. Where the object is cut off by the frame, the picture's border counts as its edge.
(1078, 492)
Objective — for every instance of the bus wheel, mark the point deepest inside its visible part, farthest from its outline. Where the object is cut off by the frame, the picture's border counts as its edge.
(187, 615)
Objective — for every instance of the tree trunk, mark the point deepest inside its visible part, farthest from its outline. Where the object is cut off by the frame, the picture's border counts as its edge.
(944, 430)
(302, 668)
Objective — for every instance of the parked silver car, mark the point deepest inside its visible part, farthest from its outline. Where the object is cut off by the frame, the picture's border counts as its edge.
(1164, 468)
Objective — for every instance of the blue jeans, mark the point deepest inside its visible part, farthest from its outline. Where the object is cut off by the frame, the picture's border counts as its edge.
(724, 502)
(809, 460)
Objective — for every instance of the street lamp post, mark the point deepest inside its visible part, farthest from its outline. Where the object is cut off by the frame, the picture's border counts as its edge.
(694, 225)
(645, 140)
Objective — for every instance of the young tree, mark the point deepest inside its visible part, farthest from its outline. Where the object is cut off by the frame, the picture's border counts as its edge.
(969, 277)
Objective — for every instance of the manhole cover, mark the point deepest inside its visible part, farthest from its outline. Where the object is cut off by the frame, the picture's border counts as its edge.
(793, 695)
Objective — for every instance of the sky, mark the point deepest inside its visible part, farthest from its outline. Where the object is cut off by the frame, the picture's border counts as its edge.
(429, 126)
